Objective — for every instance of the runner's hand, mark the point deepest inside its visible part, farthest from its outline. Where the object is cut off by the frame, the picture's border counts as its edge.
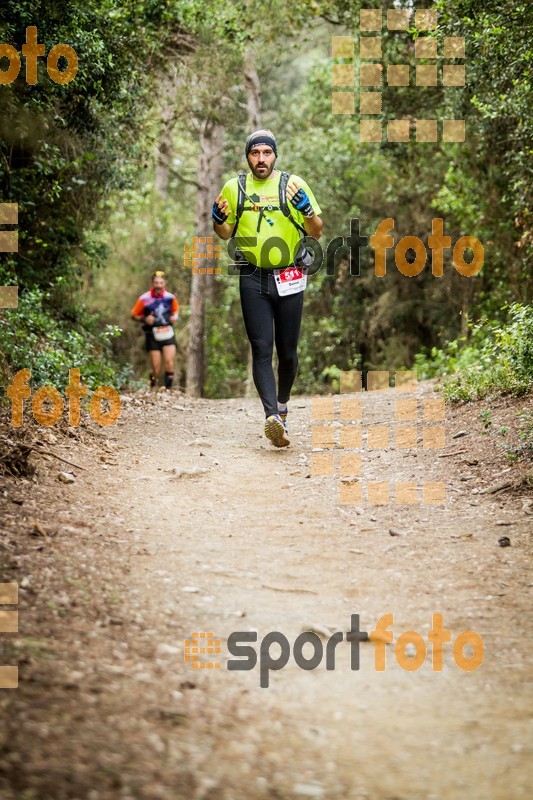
(150, 319)
(299, 199)
(218, 212)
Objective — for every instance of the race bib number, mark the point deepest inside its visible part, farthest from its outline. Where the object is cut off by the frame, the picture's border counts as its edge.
(290, 280)
(163, 332)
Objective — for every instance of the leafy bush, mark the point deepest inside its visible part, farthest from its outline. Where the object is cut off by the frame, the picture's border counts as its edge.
(33, 336)
(498, 358)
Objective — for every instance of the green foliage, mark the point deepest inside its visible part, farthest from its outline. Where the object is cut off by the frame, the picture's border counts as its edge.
(62, 147)
(79, 161)
(33, 337)
(226, 368)
(370, 323)
(492, 181)
(497, 359)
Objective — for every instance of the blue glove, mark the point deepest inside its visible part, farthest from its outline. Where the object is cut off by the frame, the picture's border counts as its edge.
(302, 203)
(217, 215)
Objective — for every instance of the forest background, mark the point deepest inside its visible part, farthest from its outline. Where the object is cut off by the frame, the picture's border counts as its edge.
(116, 172)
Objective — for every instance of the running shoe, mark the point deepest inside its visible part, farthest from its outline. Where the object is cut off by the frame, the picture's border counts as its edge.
(283, 416)
(275, 431)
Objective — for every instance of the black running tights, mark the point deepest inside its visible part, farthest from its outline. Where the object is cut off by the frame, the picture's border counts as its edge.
(269, 318)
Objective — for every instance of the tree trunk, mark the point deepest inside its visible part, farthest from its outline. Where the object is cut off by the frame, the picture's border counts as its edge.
(164, 148)
(209, 176)
(466, 305)
(253, 104)
(253, 89)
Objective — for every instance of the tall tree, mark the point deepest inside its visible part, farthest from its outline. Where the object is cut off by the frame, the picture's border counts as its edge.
(210, 168)
(170, 108)
(253, 107)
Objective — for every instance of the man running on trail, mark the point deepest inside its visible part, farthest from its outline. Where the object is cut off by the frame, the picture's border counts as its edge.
(276, 210)
(157, 309)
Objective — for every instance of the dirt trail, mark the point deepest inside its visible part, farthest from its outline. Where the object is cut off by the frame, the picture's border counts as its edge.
(257, 543)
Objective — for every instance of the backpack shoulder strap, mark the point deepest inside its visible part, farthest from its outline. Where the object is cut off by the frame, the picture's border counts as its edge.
(240, 201)
(284, 205)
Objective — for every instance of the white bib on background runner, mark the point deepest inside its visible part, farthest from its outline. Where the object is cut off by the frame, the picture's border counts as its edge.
(163, 332)
(290, 280)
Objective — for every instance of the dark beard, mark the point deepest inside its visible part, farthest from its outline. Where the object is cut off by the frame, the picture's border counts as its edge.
(262, 176)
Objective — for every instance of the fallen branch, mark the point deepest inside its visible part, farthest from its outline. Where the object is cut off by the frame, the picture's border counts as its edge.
(498, 487)
(278, 589)
(51, 453)
(455, 453)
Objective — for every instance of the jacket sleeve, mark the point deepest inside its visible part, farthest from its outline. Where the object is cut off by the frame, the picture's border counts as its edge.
(138, 308)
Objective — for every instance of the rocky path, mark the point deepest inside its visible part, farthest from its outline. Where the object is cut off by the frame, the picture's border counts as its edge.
(187, 521)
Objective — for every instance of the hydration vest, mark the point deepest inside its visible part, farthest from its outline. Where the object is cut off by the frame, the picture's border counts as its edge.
(283, 204)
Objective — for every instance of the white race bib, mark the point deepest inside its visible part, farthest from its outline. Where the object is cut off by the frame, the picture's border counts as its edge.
(290, 280)
(163, 332)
